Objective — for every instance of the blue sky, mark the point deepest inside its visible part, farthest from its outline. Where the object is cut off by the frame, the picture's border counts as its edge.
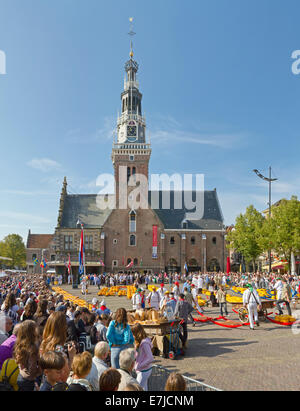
(218, 91)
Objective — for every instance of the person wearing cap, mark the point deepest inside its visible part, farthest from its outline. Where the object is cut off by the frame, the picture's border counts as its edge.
(94, 304)
(164, 300)
(162, 291)
(103, 309)
(278, 287)
(137, 299)
(176, 290)
(251, 301)
(182, 310)
(153, 299)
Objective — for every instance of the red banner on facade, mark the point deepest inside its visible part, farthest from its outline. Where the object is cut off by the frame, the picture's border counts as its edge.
(154, 241)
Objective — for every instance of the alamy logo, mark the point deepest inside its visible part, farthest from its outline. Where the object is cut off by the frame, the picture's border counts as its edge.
(296, 64)
(2, 62)
(167, 192)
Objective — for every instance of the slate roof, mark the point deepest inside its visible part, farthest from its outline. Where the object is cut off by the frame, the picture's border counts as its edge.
(211, 217)
(84, 208)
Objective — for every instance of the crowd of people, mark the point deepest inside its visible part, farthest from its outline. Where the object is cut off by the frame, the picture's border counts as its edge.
(47, 343)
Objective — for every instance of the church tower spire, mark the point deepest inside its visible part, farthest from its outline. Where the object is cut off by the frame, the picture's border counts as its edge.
(131, 149)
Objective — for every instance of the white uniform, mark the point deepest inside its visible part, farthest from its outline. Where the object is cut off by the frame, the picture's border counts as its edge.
(136, 301)
(161, 292)
(200, 282)
(154, 300)
(251, 299)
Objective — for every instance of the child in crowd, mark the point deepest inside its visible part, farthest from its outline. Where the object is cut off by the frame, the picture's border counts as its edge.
(52, 364)
(144, 356)
(81, 367)
(175, 382)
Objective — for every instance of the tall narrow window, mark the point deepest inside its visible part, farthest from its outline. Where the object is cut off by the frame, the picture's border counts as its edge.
(132, 240)
(68, 242)
(134, 174)
(132, 222)
(128, 173)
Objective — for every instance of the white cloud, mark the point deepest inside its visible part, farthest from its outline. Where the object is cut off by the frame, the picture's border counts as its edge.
(31, 218)
(166, 129)
(26, 193)
(44, 164)
(105, 133)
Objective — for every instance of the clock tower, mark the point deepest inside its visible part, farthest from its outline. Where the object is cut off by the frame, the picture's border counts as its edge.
(131, 153)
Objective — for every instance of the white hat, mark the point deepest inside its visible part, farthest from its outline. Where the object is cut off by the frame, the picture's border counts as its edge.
(94, 301)
(102, 302)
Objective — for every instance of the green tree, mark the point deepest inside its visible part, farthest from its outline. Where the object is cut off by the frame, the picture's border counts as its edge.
(13, 247)
(282, 231)
(245, 237)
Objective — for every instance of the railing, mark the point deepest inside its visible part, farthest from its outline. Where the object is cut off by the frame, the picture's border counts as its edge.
(159, 376)
(131, 84)
(136, 117)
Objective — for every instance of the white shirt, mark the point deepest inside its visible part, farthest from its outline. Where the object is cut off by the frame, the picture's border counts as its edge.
(136, 301)
(154, 300)
(200, 282)
(251, 297)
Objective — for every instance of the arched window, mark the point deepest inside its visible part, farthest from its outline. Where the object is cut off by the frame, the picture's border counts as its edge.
(132, 240)
(213, 265)
(132, 222)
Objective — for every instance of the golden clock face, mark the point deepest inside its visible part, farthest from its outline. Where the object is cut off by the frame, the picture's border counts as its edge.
(131, 131)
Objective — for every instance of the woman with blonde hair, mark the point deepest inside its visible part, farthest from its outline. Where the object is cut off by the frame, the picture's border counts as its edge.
(175, 382)
(55, 336)
(26, 355)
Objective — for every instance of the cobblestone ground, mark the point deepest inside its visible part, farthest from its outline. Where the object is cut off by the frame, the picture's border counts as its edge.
(240, 359)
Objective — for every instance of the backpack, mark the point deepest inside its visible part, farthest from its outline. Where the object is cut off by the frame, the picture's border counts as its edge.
(5, 380)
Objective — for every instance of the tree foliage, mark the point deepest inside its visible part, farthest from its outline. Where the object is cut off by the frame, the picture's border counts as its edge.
(13, 247)
(245, 237)
(282, 231)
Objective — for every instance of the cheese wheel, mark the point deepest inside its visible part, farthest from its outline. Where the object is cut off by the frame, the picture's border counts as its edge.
(155, 315)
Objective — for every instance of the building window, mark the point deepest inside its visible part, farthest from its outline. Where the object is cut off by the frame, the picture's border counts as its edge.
(128, 173)
(132, 222)
(88, 242)
(193, 240)
(172, 240)
(53, 257)
(115, 241)
(132, 240)
(214, 240)
(115, 263)
(131, 158)
(68, 242)
(135, 261)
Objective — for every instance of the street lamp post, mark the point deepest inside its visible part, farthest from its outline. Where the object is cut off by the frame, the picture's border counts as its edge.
(270, 181)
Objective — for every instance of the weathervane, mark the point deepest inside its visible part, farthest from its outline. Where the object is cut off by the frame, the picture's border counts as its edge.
(131, 33)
